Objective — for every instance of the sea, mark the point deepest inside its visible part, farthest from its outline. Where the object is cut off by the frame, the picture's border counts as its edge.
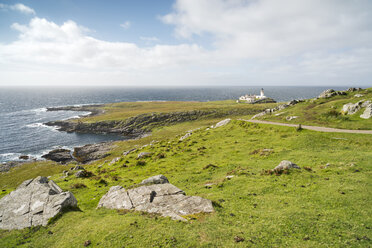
(23, 111)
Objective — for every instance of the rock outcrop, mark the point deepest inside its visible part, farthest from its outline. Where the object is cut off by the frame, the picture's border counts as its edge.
(330, 93)
(92, 152)
(222, 123)
(59, 155)
(188, 134)
(144, 155)
(286, 165)
(352, 108)
(367, 112)
(142, 124)
(162, 198)
(33, 203)
(277, 108)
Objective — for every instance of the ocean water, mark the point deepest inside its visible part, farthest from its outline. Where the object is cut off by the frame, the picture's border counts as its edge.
(23, 111)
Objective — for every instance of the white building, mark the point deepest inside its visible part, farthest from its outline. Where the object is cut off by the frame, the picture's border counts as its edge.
(253, 98)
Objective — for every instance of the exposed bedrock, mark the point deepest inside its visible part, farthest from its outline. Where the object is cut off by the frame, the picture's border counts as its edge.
(33, 203)
(138, 125)
(156, 195)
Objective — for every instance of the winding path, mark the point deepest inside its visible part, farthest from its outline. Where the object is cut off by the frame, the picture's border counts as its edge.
(314, 128)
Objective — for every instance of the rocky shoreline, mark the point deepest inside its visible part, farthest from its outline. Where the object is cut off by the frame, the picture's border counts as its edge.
(94, 109)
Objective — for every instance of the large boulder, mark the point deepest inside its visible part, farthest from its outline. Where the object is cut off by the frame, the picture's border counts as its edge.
(367, 112)
(164, 198)
(59, 155)
(92, 152)
(327, 93)
(352, 108)
(286, 165)
(33, 203)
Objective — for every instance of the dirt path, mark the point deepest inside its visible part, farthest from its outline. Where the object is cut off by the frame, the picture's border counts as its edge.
(315, 128)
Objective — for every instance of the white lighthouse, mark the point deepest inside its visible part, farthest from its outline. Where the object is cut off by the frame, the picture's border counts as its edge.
(262, 94)
(253, 98)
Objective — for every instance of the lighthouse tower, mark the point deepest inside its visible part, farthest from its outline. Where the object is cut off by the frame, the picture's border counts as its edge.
(262, 93)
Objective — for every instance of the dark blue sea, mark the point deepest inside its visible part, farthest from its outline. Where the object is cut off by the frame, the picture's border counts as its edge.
(23, 111)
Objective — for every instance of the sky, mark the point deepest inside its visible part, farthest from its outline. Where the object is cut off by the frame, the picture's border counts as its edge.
(186, 43)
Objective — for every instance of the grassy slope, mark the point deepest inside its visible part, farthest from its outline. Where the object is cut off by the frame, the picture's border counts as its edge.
(319, 112)
(121, 111)
(322, 208)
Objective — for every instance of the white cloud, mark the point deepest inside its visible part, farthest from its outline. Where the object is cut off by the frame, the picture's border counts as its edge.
(126, 25)
(18, 7)
(253, 42)
(45, 42)
(272, 28)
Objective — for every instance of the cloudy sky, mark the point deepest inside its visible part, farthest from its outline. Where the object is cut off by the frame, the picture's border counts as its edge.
(186, 42)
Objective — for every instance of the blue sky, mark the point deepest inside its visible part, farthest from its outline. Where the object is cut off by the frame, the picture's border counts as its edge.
(186, 42)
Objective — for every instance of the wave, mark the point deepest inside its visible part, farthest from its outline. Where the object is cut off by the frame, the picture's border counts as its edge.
(39, 110)
(9, 156)
(39, 124)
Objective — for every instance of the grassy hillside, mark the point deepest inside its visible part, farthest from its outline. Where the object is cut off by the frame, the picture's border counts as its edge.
(326, 112)
(312, 207)
(124, 110)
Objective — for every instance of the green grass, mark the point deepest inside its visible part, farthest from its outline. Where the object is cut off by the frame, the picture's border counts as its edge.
(326, 112)
(124, 110)
(324, 207)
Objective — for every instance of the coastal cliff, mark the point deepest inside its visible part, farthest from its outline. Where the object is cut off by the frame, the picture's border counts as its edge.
(143, 123)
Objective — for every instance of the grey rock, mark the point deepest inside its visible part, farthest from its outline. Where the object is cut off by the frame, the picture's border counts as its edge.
(78, 167)
(186, 136)
(327, 93)
(366, 103)
(358, 95)
(130, 151)
(92, 152)
(289, 118)
(352, 108)
(330, 93)
(353, 89)
(33, 203)
(81, 173)
(114, 161)
(59, 155)
(367, 112)
(144, 155)
(165, 199)
(222, 123)
(158, 179)
(286, 165)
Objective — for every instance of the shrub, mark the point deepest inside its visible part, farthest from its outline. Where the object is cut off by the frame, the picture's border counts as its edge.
(141, 162)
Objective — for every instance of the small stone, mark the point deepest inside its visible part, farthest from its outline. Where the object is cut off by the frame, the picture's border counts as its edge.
(285, 165)
(24, 157)
(87, 243)
(229, 177)
(159, 179)
(144, 155)
(238, 239)
(209, 185)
